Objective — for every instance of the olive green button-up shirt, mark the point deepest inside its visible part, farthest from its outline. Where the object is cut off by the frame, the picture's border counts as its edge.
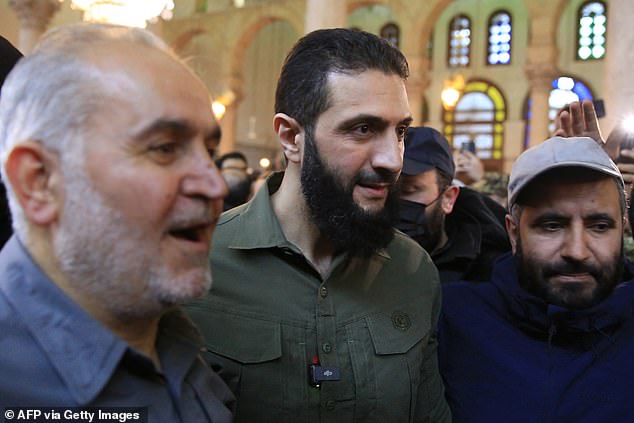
(270, 314)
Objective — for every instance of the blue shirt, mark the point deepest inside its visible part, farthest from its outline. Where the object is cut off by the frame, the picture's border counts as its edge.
(53, 353)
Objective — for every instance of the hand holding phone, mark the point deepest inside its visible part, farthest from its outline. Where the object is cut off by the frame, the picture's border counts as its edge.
(468, 146)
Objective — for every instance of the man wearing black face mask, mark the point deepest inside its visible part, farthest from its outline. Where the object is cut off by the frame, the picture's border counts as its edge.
(462, 230)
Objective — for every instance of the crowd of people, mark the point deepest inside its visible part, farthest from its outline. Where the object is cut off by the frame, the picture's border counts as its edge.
(366, 282)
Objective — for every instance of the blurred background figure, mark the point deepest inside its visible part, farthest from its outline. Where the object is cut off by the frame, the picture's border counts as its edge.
(469, 167)
(494, 185)
(620, 147)
(258, 181)
(234, 168)
(9, 56)
(461, 229)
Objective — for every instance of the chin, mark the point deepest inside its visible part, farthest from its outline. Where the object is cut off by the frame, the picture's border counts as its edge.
(182, 288)
(372, 207)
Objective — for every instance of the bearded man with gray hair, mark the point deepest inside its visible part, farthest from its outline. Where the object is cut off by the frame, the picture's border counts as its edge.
(106, 140)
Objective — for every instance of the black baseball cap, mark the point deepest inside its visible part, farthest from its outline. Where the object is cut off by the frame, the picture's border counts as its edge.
(9, 56)
(426, 149)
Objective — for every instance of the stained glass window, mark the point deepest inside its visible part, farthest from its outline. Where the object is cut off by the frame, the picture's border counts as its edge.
(499, 39)
(565, 90)
(392, 33)
(479, 116)
(592, 30)
(459, 50)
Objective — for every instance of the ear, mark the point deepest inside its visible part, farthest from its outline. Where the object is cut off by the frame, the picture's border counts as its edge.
(33, 172)
(291, 136)
(512, 229)
(449, 198)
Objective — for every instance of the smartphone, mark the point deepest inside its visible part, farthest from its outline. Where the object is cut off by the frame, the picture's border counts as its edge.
(468, 146)
(599, 108)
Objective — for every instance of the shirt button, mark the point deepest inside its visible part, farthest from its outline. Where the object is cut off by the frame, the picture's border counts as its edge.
(330, 405)
(323, 292)
(326, 347)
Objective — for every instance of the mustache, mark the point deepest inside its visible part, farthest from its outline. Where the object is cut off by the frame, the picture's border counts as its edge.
(376, 176)
(570, 267)
(200, 216)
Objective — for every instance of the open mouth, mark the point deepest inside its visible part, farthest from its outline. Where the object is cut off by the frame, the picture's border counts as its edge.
(196, 233)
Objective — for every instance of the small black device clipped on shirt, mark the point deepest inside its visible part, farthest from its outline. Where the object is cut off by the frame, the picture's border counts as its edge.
(317, 374)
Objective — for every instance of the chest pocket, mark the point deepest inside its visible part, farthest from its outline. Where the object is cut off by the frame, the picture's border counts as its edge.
(398, 330)
(247, 353)
(400, 339)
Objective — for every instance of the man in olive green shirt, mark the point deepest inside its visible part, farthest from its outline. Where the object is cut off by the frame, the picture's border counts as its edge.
(320, 312)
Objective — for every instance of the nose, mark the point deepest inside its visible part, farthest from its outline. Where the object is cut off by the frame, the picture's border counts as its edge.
(388, 153)
(203, 178)
(576, 244)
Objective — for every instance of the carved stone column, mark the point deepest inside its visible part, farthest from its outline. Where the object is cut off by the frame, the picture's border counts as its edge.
(229, 120)
(325, 14)
(416, 85)
(34, 17)
(540, 75)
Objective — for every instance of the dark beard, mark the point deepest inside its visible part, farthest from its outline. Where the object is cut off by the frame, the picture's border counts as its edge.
(434, 228)
(348, 227)
(533, 277)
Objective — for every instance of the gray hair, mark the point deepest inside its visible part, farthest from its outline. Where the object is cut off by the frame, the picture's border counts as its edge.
(53, 94)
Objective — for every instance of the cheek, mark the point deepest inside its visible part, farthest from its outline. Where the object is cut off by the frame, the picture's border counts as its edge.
(144, 199)
(607, 249)
(538, 248)
(348, 161)
(217, 205)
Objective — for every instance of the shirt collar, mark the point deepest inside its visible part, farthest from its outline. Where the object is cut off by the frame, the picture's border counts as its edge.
(84, 353)
(259, 226)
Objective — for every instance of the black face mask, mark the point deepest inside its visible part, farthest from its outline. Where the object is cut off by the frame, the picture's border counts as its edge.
(413, 221)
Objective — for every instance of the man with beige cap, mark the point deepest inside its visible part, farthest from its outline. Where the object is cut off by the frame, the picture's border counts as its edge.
(550, 339)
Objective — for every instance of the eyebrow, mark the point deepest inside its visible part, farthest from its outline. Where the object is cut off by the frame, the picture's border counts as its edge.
(178, 127)
(372, 120)
(561, 217)
(600, 216)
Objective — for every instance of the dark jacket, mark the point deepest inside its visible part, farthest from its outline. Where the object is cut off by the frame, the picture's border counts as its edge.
(507, 356)
(477, 236)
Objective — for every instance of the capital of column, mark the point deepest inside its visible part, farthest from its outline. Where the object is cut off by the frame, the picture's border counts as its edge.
(236, 84)
(540, 75)
(541, 66)
(418, 73)
(35, 14)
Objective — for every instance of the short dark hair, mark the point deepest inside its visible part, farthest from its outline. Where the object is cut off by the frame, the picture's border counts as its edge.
(231, 155)
(443, 180)
(302, 91)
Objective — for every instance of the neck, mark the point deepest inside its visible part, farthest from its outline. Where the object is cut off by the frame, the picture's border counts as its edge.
(297, 224)
(139, 333)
